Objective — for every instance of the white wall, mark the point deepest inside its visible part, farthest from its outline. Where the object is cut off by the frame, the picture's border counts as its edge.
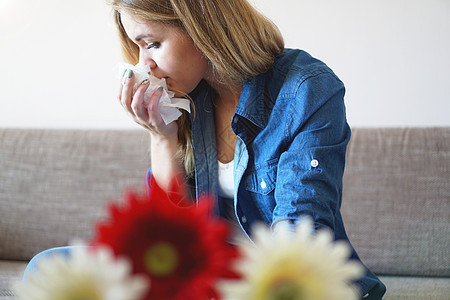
(57, 62)
(57, 59)
(393, 55)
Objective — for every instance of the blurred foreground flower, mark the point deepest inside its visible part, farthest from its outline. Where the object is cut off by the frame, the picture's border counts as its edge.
(86, 273)
(291, 265)
(183, 250)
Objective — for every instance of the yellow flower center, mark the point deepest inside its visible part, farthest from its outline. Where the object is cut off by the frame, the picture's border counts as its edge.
(82, 294)
(285, 290)
(161, 259)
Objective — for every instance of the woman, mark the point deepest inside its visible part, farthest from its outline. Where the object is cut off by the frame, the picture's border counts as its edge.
(268, 134)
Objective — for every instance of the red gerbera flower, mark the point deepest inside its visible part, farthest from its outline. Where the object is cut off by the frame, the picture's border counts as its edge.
(183, 250)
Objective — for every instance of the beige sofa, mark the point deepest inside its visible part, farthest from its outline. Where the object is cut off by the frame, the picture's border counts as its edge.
(54, 185)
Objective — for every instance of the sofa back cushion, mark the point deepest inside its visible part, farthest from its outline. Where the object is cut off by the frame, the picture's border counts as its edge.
(54, 184)
(396, 199)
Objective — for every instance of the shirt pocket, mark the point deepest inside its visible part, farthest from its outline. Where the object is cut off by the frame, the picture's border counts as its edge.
(260, 185)
(261, 180)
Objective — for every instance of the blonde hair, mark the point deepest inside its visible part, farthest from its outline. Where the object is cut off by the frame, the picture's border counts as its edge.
(238, 41)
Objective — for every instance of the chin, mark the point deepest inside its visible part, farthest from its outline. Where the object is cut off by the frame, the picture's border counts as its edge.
(174, 89)
(180, 91)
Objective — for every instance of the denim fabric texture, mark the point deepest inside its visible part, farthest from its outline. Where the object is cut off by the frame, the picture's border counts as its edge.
(289, 159)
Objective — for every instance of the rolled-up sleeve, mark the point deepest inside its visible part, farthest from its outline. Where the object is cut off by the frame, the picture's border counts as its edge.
(309, 176)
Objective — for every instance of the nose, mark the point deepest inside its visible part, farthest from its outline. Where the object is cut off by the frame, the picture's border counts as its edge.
(145, 58)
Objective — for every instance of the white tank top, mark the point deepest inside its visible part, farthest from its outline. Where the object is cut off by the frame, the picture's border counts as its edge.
(226, 179)
(226, 190)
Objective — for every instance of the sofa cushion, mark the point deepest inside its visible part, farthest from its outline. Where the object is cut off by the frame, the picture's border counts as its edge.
(10, 273)
(397, 287)
(396, 199)
(396, 193)
(54, 183)
(417, 288)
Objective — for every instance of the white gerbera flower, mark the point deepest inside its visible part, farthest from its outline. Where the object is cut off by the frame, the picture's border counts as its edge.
(84, 274)
(294, 265)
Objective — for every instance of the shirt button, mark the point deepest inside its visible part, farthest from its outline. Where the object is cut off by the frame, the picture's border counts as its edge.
(314, 163)
(235, 120)
(263, 184)
(244, 219)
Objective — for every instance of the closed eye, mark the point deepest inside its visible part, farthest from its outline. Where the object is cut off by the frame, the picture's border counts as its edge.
(152, 45)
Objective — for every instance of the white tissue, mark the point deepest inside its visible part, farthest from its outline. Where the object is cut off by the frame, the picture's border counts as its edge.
(168, 104)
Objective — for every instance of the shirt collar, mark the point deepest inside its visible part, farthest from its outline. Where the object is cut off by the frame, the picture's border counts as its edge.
(251, 105)
(255, 103)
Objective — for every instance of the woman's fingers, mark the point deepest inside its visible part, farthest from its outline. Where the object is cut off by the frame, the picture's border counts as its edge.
(138, 102)
(144, 111)
(119, 93)
(126, 96)
(153, 105)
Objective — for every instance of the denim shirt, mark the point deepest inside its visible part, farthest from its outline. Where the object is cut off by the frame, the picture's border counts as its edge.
(289, 158)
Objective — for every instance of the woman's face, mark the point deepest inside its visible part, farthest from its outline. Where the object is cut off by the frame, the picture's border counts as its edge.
(169, 52)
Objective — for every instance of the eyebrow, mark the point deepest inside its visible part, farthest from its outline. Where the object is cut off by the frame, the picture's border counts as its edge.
(141, 36)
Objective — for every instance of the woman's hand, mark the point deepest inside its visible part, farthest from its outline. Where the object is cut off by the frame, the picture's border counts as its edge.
(148, 116)
(163, 138)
